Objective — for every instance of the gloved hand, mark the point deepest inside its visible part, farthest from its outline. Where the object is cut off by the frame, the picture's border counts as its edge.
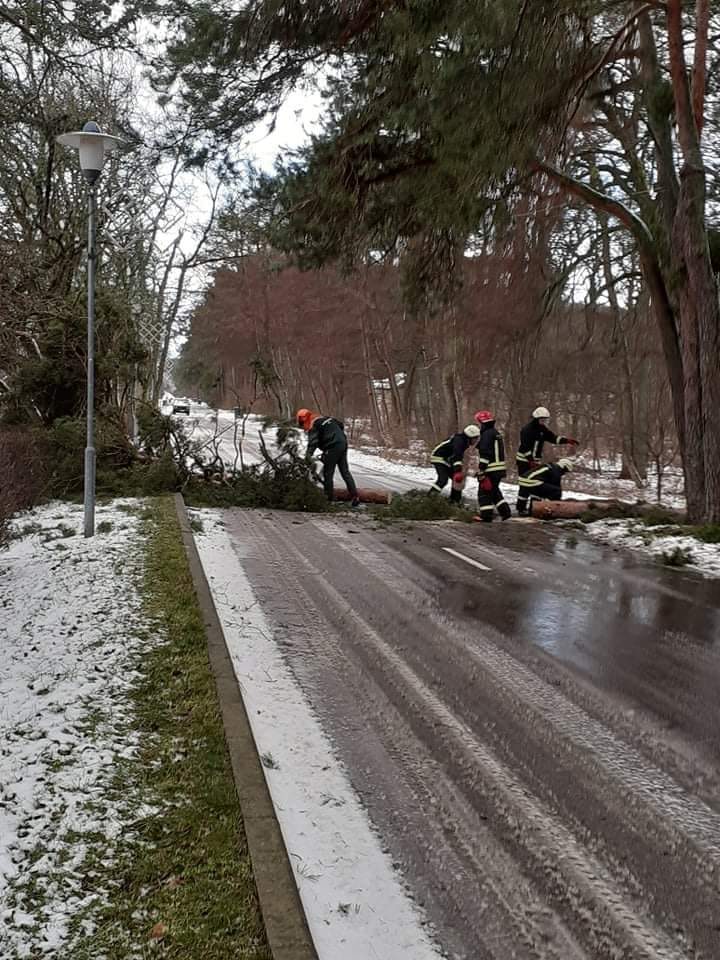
(571, 442)
(458, 477)
(486, 484)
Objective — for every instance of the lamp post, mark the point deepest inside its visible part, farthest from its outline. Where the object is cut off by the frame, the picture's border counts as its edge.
(92, 145)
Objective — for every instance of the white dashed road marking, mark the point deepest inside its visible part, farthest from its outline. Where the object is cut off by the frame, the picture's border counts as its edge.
(461, 556)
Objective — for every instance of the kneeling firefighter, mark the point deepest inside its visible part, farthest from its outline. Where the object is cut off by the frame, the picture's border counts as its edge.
(491, 451)
(447, 458)
(328, 435)
(533, 437)
(543, 483)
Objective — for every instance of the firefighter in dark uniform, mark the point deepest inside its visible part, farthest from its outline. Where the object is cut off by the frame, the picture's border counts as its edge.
(544, 482)
(447, 458)
(491, 457)
(533, 437)
(328, 435)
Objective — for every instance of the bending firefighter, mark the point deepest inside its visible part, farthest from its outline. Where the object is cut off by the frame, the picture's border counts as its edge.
(328, 435)
(447, 458)
(544, 482)
(533, 437)
(491, 455)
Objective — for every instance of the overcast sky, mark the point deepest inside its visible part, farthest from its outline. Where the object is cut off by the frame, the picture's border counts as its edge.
(297, 118)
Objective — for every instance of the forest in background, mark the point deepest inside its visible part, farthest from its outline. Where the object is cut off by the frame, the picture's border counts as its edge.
(516, 332)
(491, 220)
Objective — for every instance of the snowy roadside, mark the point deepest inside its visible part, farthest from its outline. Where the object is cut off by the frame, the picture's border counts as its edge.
(70, 630)
(377, 467)
(406, 470)
(658, 544)
(120, 829)
(675, 550)
(353, 898)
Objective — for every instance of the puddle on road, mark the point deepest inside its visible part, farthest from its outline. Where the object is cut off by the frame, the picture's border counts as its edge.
(647, 633)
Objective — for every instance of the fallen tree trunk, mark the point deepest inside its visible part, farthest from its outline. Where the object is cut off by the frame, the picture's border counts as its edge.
(364, 494)
(569, 509)
(574, 509)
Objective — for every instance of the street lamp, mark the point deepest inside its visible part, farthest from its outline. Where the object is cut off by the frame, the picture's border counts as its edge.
(92, 145)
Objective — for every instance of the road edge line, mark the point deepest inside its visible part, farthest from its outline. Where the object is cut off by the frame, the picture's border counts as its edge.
(285, 921)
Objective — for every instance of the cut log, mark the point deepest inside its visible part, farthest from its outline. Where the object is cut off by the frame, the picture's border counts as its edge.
(573, 509)
(569, 509)
(365, 495)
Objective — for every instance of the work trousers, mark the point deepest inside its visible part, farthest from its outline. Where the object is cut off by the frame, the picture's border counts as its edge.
(545, 491)
(336, 457)
(491, 500)
(444, 473)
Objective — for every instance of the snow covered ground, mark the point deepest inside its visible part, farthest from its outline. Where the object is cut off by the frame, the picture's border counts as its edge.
(682, 551)
(69, 631)
(405, 469)
(372, 469)
(354, 900)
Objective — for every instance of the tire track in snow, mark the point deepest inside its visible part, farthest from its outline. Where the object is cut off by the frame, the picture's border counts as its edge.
(682, 813)
(471, 856)
(590, 887)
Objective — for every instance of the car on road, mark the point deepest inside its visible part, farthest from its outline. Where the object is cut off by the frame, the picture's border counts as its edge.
(181, 406)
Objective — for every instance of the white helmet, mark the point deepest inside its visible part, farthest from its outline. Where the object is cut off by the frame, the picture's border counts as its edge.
(472, 431)
(541, 413)
(566, 464)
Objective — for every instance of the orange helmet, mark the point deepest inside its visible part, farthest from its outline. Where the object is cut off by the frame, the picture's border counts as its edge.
(484, 416)
(304, 418)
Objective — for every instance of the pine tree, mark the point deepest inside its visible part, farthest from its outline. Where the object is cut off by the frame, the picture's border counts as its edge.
(439, 111)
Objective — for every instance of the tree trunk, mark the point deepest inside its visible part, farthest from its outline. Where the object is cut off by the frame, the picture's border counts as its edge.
(371, 392)
(365, 495)
(685, 304)
(695, 286)
(697, 296)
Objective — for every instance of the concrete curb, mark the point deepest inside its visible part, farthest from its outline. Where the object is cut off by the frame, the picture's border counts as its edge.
(285, 921)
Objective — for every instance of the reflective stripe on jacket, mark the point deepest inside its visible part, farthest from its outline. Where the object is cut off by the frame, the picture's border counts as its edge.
(547, 473)
(491, 451)
(451, 451)
(533, 437)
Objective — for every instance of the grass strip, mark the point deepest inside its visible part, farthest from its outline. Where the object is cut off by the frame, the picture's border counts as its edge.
(183, 877)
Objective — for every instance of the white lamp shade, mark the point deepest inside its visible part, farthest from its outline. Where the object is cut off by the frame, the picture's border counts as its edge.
(92, 153)
(92, 145)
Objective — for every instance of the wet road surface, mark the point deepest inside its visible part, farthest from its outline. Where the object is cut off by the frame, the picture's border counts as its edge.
(532, 721)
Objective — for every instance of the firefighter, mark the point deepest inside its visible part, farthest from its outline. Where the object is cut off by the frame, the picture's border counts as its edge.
(447, 458)
(328, 435)
(544, 482)
(533, 437)
(491, 456)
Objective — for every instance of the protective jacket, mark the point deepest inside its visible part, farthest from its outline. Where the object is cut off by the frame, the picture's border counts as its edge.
(491, 451)
(326, 433)
(546, 473)
(451, 451)
(533, 437)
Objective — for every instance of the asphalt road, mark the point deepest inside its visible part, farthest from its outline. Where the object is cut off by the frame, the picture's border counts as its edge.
(532, 721)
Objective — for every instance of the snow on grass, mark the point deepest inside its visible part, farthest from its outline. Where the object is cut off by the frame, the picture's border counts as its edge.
(68, 635)
(354, 900)
(660, 544)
